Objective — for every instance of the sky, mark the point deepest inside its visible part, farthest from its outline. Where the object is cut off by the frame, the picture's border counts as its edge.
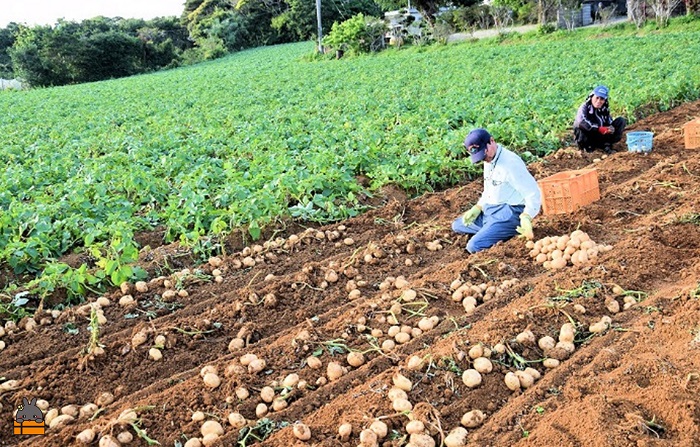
(47, 12)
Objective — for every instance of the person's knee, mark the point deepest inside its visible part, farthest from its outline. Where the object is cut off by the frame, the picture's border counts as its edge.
(457, 226)
(476, 244)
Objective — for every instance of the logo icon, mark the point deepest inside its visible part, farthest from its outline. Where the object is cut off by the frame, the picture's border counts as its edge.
(29, 419)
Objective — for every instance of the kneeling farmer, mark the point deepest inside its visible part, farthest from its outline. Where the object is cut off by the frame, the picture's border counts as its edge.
(511, 196)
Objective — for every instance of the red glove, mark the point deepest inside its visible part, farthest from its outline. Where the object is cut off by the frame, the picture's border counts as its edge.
(603, 130)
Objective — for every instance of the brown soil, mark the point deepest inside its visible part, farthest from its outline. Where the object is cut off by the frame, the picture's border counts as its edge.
(635, 384)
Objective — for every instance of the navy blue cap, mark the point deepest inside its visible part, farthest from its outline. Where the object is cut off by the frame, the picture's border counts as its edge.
(476, 143)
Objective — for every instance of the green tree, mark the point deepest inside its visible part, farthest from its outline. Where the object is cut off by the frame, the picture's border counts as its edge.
(107, 55)
(299, 20)
(359, 34)
(96, 49)
(7, 39)
(43, 55)
(524, 11)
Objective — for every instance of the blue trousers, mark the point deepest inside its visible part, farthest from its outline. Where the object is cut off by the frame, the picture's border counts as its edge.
(495, 223)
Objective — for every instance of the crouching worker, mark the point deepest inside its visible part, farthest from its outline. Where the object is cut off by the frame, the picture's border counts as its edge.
(511, 196)
(594, 128)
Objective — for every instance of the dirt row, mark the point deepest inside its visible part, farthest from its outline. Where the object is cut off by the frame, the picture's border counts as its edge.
(321, 294)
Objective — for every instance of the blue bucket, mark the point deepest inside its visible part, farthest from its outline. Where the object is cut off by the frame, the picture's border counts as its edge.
(639, 142)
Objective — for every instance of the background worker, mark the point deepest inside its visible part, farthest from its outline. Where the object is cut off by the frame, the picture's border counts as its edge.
(594, 128)
(511, 196)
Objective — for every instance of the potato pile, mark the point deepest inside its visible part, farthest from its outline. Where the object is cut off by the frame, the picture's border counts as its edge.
(556, 252)
(557, 351)
(471, 294)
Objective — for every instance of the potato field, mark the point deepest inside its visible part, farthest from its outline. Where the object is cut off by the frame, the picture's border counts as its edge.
(257, 251)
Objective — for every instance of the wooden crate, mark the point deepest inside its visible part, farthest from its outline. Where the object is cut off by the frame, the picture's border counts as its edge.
(691, 130)
(566, 191)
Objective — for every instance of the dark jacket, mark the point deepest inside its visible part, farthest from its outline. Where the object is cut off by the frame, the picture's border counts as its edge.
(589, 118)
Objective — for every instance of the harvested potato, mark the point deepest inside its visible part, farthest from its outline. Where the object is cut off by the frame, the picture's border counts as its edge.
(456, 438)
(301, 431)
(473, 418)
(471, 378)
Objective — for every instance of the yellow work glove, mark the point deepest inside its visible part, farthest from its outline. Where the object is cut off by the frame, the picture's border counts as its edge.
(525, 228)
(470, 216)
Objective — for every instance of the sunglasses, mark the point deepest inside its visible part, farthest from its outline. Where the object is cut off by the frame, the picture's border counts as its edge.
(473, 149)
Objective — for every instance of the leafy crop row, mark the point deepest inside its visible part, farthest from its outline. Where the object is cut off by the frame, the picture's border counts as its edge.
(236, 142)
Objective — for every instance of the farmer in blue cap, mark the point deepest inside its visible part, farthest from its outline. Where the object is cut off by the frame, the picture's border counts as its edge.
(511, 196)
(594, 128)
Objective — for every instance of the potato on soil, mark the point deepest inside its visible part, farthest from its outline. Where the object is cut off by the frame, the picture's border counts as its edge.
(512, 381)
(397, 393)
(141, 286)
(86, 436)
(345, 431)
(256, 366)
(567, 333)
(483, 365)
(476, 351)
(109, 441)
(334, 371)
(380, 428)
(127, 416)
(550, 363)
(314, 362)
(525, 379)
(125, 437)
(402, 382)
(212, 427)
(155, 354)
(546, 343)
(456, 438)
(415, 426)
(421, 440)
(291, 380)
(210, 440)
(473, 418)
(237, 420)
(61, 421)
(533, 372)
(301, 431)
(414, 363)
(526, 338)
(401, 405)
(355, 359)
(368, 438)
(471, 378)
(267, 394)
(71, 410)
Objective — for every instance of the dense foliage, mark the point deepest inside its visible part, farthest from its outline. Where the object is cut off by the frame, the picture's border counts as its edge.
(260, 22)
(238, 142)
(92, 50)
(358, 34)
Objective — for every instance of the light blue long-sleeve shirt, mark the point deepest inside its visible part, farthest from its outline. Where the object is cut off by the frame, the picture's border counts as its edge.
(507, 180)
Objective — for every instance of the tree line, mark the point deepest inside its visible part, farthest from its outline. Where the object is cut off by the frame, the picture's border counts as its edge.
(95, 49)
(100, 48)
(70, 52)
